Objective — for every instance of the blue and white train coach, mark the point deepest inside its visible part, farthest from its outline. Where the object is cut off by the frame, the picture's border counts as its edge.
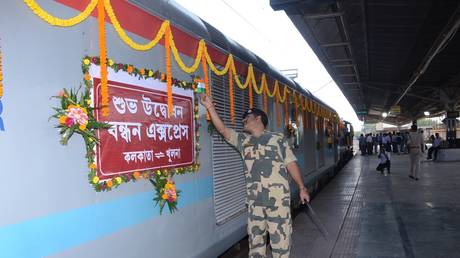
(133, 70)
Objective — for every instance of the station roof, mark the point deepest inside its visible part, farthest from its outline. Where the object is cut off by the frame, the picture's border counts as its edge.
(385, 53)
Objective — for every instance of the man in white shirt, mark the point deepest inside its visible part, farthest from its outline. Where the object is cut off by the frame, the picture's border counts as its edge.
(369, 144)
(436, 146)
(416, 148)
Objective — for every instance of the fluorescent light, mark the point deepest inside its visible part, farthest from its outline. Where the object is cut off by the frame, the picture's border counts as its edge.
(426, 113)
(384, 114)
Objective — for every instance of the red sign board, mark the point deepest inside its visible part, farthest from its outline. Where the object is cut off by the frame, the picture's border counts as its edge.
(143, 135)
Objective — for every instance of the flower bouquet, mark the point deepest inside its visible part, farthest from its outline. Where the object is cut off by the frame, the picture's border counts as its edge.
(75, 115)
(166, 193)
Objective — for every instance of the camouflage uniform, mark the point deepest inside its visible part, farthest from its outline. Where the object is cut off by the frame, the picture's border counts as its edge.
(268, 197)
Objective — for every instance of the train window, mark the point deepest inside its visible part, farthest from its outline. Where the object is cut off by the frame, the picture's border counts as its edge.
(228, 176)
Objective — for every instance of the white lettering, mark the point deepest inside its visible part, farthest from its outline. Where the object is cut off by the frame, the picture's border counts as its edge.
(142, 156)
(119, 104)
(125, 131)
(132, 105)
(172, 154)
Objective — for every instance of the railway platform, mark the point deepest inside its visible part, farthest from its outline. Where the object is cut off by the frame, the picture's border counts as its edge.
(368, 214)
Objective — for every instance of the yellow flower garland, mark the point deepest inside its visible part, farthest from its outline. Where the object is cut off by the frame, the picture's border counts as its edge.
(213, 67)
(180, 62)
(254, 84)
(202, 53)
(275, 89)
(128, 40)
(57, 21)
(237, 79)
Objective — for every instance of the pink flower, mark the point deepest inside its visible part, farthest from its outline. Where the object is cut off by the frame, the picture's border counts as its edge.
(78, 115)
(69, 122)
(61, 93)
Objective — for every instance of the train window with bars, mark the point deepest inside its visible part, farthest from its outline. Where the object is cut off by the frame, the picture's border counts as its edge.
(228, 175)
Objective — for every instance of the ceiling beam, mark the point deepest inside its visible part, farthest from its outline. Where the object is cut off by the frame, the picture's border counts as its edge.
(440, 43)
(344, 65)
(337, 44)
(341, 60)
(324, 15)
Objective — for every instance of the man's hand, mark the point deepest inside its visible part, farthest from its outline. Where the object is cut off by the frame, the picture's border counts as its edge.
(304, 196)
(206, 101)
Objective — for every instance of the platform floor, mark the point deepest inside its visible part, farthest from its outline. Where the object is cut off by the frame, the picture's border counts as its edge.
(368, 214)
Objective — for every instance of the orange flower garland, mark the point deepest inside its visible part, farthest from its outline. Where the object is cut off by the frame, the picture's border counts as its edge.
(264, 91)
(230, 91)
(296, 109)
(278, 108)
(250, 93)
(286, 112)
(103, 57)
(206, 81)
(168, 69)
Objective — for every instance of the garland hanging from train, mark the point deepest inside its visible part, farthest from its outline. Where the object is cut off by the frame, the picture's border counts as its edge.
(104, 6)
(72, 103)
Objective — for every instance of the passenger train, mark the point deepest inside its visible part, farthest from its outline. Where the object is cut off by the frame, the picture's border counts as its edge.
(101, 128)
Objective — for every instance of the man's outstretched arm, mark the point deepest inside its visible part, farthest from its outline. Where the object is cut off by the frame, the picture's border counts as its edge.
(206, 101)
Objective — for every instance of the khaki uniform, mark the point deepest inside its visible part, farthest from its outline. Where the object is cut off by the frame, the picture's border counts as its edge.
(268, 196)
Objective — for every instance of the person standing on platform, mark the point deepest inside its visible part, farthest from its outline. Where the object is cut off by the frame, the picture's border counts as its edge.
(362, 144)
(386, 142)
(369, 144)
(436, 146)
(416, 148)
(430, 150)
(267, 160)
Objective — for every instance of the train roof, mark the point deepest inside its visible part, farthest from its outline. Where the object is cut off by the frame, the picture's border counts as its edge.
(194, 25)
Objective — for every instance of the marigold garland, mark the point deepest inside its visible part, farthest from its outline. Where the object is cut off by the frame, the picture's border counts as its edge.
(237, 79)
(180, 62)
(230, 92)
(103, 59)
(296, 108)
(251, 100)
(265, 103)
(278, 111)
(165, 31)
(275, 88)
(126, 38)
(286, 113)
(285, 93)
(168, 70)
(254, 84)
(265, 89)
(214, 68)
(206, 81)
(52, 20)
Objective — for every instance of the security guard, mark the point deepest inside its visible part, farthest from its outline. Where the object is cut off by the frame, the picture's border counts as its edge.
(267, 160)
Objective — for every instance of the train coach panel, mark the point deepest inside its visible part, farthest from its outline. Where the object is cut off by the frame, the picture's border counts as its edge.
(51, 190)
(50, 207)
